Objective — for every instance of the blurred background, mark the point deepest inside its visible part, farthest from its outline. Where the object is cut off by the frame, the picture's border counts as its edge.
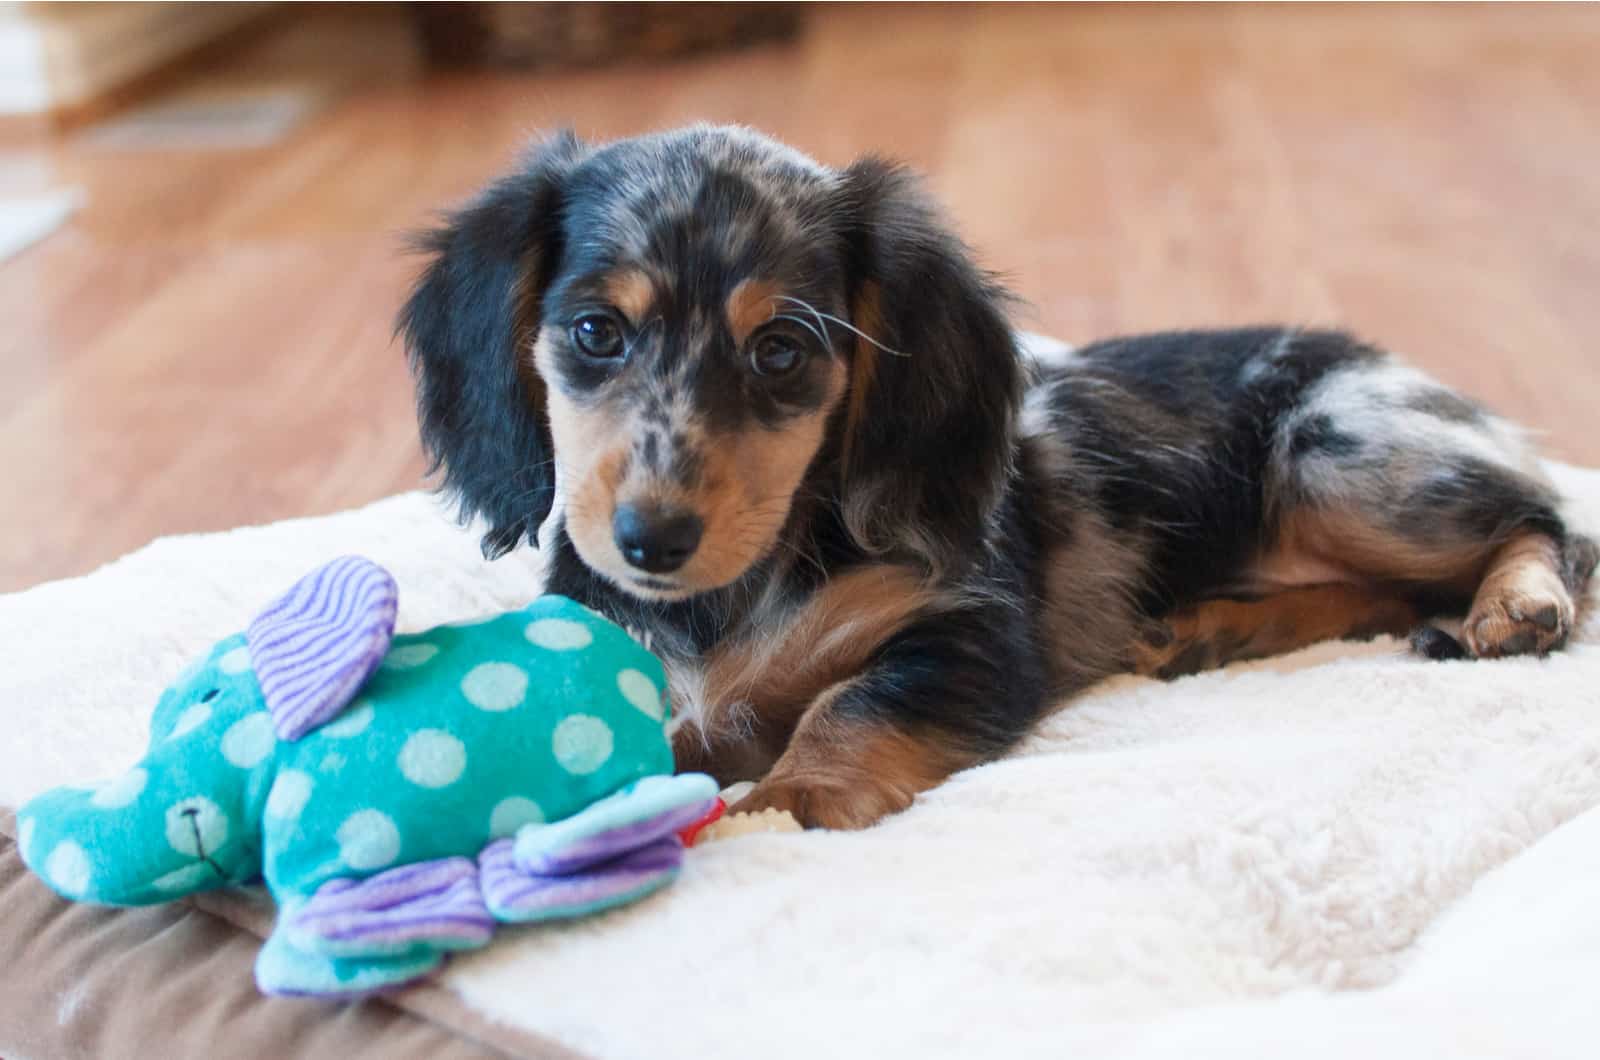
(202, 205)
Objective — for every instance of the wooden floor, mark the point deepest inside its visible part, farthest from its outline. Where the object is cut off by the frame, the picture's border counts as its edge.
(209, 342)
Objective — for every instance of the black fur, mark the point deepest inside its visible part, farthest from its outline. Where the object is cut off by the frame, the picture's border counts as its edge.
(480, 411)
(935, 446)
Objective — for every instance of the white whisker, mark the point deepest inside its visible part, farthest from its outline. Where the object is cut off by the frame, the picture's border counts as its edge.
(821, 316)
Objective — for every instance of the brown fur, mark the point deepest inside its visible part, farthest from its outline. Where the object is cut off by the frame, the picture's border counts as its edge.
(750, 305)
(1224, 630)
(746, 491)
(839, 772)
(798, 654)
(1348, 542)
(633, 292)
(1093, 574)
(863, 365)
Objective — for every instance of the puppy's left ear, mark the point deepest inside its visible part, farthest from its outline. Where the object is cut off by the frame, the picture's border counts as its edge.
(933, 397)
(469, 327)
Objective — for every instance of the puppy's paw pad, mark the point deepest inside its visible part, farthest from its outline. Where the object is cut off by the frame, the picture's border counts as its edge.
(1526, 620)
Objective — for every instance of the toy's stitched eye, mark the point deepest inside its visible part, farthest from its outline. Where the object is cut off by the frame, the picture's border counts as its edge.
(209, 696)
(598, 335)
(775, 355)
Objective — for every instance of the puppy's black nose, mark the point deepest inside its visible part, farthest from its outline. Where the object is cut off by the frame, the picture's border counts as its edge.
(655, 540)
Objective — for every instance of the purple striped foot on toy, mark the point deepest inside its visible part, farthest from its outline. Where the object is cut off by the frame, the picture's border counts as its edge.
(437, 903)
(584, 851)
(516, 895)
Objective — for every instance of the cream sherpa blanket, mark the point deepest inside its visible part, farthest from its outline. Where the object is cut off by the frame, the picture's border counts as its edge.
(1344, 852)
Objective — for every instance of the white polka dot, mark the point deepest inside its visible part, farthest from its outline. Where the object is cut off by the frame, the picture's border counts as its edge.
(185, 879)
(289, 794)
(495, 686)
(368, 839)
(236, 661)
(511, 814)
(332, 762)
(559, 634)
(409, 656)
(432, 758)
(196, 826)
(24, 836)
(249, 740)
(191, 720)
(68, 868)
(118, 793)
(582, 743)
(351, 723)
(639, 690)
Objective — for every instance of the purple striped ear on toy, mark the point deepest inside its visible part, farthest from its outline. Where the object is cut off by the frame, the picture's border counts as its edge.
(315, 646)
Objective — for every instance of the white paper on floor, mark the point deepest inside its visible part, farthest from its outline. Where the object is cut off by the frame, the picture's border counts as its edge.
(212, 122)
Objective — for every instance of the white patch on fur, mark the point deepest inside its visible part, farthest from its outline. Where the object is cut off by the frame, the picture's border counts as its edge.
(1035, 419)
(686, 684)
(1368, 403)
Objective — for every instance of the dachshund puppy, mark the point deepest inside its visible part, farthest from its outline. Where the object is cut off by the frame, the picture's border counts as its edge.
(771, 415)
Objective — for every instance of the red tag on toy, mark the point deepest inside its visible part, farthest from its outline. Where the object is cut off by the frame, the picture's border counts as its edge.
(691, 833)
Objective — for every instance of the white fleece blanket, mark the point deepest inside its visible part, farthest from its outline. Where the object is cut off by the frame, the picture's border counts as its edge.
(1344, 852)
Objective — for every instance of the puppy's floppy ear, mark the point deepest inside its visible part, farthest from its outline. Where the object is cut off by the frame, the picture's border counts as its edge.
(929, 426)
(469, 326)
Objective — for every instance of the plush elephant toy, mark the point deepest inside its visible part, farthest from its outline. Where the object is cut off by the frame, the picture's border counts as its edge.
(399, 795)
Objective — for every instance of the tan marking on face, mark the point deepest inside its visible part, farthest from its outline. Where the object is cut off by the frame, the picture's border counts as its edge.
(746, 489)
(752, 304)
(632, 291)
(863, 365)
(743, 493)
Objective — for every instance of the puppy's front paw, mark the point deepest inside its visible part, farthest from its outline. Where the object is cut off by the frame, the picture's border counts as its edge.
(825, 802)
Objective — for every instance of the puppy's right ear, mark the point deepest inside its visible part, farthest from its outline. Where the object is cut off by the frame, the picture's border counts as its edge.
(469, 327)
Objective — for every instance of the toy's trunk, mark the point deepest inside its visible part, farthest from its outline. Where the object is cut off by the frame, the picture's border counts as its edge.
(117, 845)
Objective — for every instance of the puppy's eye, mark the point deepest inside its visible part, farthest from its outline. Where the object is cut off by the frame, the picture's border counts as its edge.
(776, 355)
(597, 335)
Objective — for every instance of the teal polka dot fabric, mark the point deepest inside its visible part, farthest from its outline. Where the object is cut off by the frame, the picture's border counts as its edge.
(385, 827)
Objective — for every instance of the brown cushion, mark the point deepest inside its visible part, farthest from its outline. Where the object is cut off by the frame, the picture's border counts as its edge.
(175, 981)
